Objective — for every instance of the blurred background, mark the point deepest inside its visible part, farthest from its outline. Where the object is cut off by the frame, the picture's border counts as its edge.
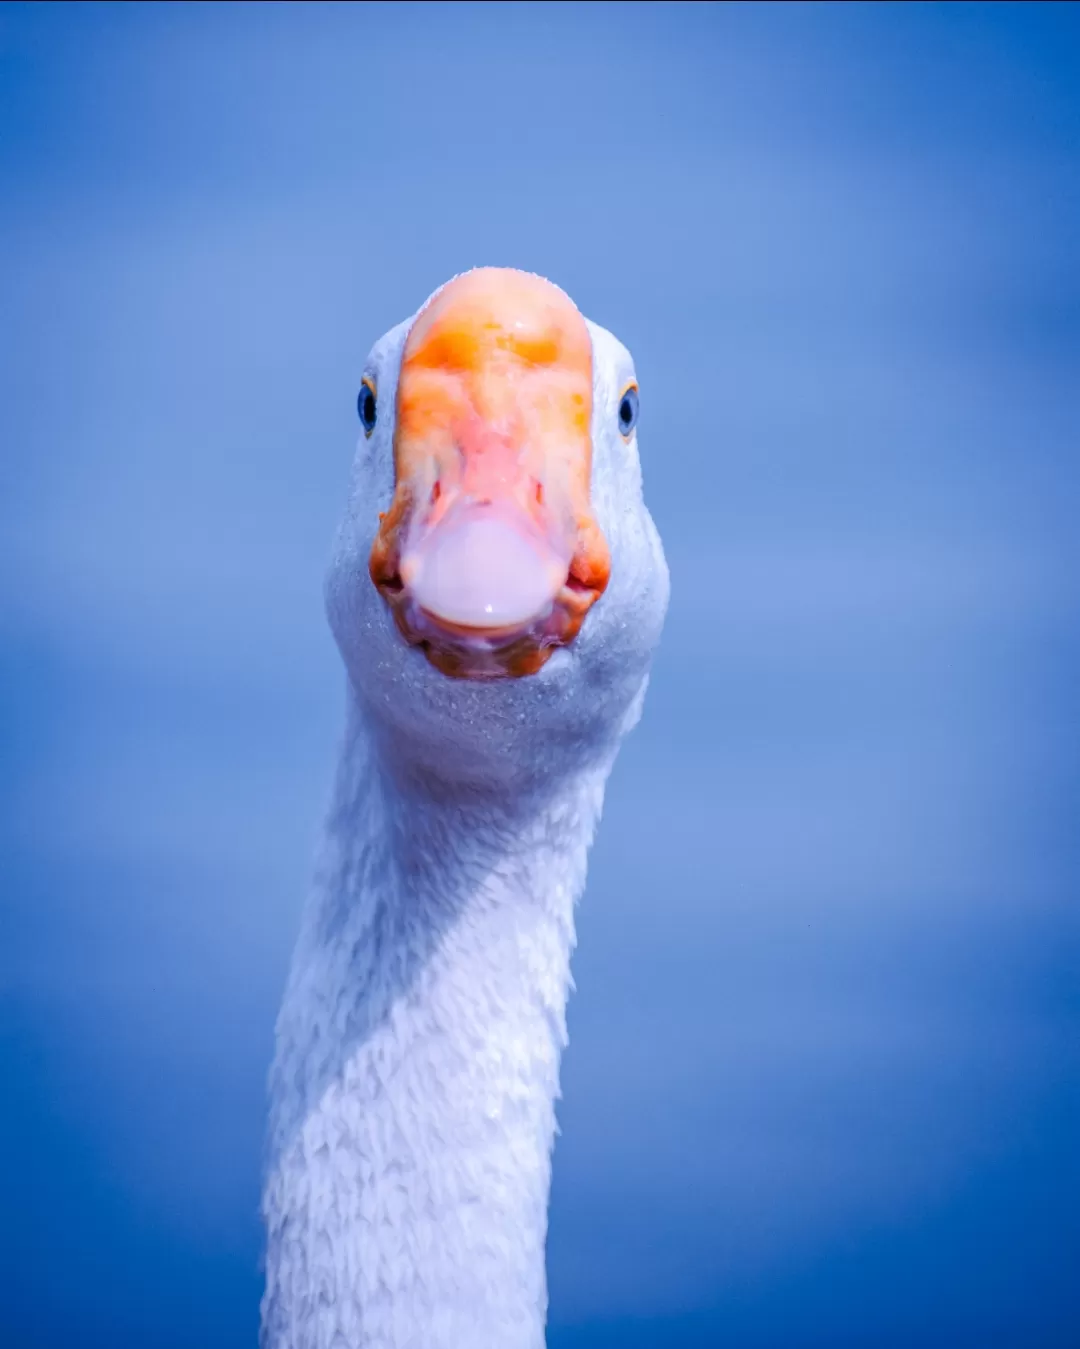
(823, 1086)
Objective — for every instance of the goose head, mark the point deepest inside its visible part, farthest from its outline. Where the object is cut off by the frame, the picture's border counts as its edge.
(498, 586)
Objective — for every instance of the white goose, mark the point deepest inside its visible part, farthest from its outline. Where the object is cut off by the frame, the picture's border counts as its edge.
(497, 622)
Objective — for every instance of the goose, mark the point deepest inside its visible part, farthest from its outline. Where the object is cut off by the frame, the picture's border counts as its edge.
(496, 591)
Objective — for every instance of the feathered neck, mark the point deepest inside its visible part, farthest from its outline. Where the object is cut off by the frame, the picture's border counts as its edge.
(417, 1060)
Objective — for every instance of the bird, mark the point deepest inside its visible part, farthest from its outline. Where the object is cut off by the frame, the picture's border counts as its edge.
(496, 590)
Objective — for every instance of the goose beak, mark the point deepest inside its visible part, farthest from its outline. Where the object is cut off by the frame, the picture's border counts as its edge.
(490, 555)
(485, 567)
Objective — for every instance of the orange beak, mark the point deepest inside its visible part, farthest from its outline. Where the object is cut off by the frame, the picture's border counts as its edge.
(490, 555)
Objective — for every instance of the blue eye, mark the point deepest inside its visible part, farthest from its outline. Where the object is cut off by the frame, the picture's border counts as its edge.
(628, 410)
(365, 405)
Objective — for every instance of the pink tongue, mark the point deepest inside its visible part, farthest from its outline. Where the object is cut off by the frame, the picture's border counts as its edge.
(477, 570)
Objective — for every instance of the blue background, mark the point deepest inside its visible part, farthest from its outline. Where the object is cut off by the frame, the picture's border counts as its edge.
(823, 1086)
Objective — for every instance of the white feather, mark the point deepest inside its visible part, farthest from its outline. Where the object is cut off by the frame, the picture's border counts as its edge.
(416, 1071)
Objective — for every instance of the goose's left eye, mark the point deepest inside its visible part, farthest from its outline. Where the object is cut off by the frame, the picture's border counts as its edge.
(628, 410)
(365, 405)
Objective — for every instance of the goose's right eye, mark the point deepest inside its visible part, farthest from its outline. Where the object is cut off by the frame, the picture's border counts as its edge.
(366, 406)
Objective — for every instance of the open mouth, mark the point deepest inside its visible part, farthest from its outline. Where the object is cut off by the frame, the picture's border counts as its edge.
(484, 598)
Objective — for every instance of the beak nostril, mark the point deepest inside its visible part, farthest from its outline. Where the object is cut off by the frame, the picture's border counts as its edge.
(436, 492)
(539, 493)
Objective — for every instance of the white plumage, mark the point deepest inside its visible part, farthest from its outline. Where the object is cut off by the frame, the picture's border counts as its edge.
(416, 1070)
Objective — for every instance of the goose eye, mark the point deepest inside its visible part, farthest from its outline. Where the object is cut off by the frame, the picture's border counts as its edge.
(628, 410)
(365, 405)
